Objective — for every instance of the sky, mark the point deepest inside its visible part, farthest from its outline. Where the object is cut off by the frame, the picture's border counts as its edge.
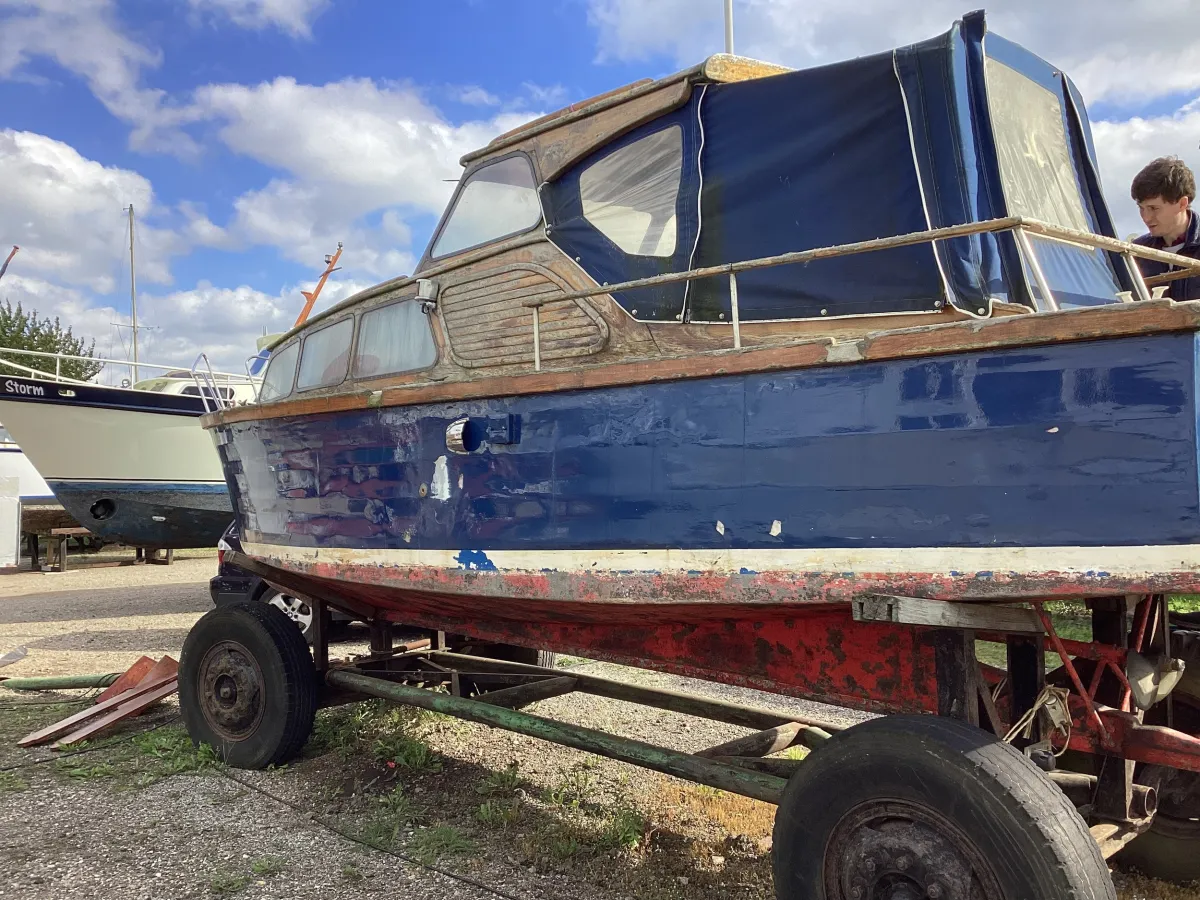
(251, 136)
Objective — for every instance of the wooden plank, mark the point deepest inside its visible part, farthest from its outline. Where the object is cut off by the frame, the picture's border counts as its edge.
(944, 614)
(558, 333)
(130, 677)
(65, 725)
(1093, 323)
(130, 707)
(954, 659)
(511, 316)
(511, 283)
(483, 300)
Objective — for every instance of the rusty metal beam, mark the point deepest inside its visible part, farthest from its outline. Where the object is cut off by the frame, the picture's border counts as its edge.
(757, 717)
(758, 785)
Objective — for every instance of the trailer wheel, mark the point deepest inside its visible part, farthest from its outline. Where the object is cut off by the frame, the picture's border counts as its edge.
(915, 807)
(247, 686)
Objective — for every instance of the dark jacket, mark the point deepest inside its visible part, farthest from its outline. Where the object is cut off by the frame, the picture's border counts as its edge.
(1184, 288)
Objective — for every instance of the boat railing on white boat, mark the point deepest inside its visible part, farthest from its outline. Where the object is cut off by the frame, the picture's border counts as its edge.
(1020, 226)
(9, 357)
(208, 381)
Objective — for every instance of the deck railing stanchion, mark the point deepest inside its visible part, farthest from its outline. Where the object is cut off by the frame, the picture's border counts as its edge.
(1135, 272)
(733, 306)
(1048, 303)
(537, 339)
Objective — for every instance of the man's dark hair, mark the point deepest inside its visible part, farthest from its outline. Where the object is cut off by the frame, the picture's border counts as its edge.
(1167, 177)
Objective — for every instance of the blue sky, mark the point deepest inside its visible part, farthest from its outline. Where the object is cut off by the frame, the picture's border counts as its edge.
(252, 135)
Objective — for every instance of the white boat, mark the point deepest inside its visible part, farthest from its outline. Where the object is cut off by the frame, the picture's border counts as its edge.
(15, 464)
(131, 464)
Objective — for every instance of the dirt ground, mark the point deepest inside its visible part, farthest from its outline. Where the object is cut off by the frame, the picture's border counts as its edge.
(383, 801)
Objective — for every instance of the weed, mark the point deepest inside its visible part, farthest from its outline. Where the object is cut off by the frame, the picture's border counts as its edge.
(85, 772)
(625, 829)
(393, 811)
(349, 730)
(563, 846)
(227, 884)
(351, 873)
(573, 789)
(797, 751)
(267, 866)
(498, 814)
(428, 844)
(11, 782)
(407, 753)
(500, 784)
(173, 751)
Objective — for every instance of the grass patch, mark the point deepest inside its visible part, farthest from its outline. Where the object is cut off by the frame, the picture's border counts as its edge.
(173, 752)
(498, 813)
(225, 884)
(737, 814)
(500, 784)
(407, 753)
(392, 812)
(84, 771)
(351, 874)
(11, 783)
(573, 789)
(430, 844)
(625, 829)
(268, 866)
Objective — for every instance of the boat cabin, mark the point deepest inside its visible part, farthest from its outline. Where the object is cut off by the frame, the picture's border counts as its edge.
(730, 161)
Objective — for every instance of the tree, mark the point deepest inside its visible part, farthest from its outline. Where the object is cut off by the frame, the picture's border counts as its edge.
(20, 330)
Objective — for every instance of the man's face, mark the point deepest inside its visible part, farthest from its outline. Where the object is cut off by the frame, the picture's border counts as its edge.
(1164, 219)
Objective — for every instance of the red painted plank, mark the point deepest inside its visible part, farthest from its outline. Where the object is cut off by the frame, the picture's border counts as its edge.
(132, 676)
(52, 731)
(126, 709)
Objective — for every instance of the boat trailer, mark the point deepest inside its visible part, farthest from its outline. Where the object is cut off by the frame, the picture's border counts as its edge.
(1100, 743)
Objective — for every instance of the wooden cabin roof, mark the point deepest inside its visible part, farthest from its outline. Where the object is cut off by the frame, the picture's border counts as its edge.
(562, 137)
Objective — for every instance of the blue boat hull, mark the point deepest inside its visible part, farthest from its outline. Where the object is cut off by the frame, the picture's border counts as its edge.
(1081, 453)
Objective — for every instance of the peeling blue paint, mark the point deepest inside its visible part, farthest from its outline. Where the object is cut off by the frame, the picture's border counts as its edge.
(475, 559)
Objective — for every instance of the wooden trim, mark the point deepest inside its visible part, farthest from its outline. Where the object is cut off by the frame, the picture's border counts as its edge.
(1091, 323)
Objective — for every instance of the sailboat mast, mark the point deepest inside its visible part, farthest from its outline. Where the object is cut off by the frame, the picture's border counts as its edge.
(133, 297)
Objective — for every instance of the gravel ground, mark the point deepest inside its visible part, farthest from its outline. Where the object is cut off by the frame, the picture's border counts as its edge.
(501, 815)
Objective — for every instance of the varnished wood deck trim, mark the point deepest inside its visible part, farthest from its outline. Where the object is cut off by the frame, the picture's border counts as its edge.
(1124, 320)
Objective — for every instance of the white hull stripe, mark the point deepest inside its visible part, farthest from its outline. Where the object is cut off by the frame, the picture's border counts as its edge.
(953, 561)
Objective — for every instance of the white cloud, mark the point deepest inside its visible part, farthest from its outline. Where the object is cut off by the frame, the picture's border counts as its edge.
(294, 17)
(1118, 50)
(474, 95)
(348, 150)
(223, 323)
(85, 38)
(65, 212)
(1125, 147)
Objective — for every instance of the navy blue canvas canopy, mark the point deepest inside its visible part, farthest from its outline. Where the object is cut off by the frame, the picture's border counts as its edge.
(961, 128)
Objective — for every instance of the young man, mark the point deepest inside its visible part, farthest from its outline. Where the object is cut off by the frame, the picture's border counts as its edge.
(1164, 192)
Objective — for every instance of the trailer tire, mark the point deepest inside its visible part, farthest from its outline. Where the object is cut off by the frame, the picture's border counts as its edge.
(247, 685)
(898, 804)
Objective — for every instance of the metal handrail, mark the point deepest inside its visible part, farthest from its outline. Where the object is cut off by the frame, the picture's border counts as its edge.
(1019, 225)
(60, 357)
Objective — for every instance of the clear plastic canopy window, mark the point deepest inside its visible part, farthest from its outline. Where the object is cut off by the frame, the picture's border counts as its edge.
(630, 195)
(497, 200)
(1036, 169)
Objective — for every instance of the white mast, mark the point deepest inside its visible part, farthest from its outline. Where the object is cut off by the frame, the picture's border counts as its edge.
(729, 27)
(133, 297)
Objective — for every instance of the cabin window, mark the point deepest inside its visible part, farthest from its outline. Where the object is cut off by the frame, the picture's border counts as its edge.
(495, 201)
(1036, 166)
(394, 338)
(630, 195)
(193, 391)
(281, 370)
(325, 356)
